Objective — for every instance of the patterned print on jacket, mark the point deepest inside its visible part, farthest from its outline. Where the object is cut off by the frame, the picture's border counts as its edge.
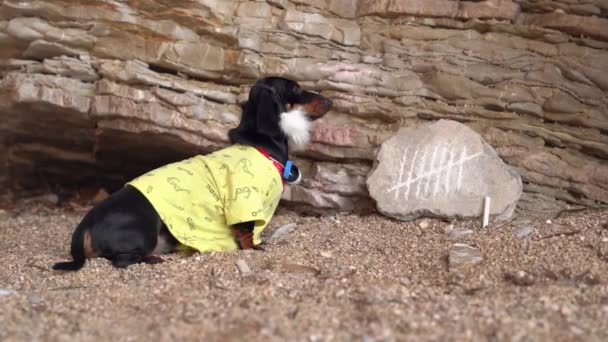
(201, 197)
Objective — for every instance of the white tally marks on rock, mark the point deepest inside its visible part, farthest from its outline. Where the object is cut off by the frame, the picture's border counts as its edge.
(431, 172)
(296, 125)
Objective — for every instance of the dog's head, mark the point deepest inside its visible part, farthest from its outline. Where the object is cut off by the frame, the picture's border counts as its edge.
(278, 110)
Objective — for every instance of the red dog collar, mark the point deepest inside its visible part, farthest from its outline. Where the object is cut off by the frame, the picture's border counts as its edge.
(276, 164)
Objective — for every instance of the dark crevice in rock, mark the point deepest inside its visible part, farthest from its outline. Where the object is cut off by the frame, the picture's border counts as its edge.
(596, 152)
(494, 107)
(553, 144)
(163, 70)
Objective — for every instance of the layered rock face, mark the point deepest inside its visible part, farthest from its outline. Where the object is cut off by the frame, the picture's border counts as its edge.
(101, 90)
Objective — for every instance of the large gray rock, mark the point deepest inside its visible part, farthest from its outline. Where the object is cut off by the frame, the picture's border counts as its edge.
(444, 169)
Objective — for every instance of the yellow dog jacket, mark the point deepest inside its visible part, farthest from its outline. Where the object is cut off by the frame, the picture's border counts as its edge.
(201, 197)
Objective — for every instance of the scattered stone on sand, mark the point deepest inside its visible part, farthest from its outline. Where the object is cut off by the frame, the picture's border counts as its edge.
(462, 255)
(524, 231)
(444, 169)
(389, 273)
(34, 299)
(568, 277)
(447, 229)
(326, 254)
(282, 231)
(299, 269)
(549, 229)
(460, 232)
(367, 338)
(602, 251)
(520, 278)
(588, 278)
(424, 223)
(243, 267)
(7, 292)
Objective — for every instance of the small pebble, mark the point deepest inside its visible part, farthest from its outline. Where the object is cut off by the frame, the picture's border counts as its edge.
(7, 292)
(34, 299)
(448, 228)
(367, 338)
(282, 231)
(458, 232)
(523, 231)
(461, 255)
(520, 278)
(243, 267)
(326, 254)
(423, 224)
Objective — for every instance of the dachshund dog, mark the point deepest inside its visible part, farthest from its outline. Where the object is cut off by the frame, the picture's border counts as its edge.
(220, 201)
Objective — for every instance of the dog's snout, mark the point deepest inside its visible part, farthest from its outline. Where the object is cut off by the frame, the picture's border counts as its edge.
(315, 105)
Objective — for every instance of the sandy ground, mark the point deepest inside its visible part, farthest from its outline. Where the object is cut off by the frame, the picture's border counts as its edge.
(345, 278)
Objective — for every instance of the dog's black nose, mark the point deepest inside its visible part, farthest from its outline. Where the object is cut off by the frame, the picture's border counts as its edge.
(328, 104)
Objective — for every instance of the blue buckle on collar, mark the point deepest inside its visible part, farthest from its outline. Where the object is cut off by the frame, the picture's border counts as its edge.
(287, 169)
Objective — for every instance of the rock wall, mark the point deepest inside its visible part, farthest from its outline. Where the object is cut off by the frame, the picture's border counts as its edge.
(100, 90)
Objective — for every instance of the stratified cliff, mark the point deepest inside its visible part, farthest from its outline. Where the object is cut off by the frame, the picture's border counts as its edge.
(100, 90)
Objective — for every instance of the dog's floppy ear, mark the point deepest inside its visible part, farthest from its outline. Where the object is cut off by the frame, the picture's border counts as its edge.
(260, 116)
(267, 111)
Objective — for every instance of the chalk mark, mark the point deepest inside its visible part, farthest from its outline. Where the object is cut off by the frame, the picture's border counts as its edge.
(441, 161)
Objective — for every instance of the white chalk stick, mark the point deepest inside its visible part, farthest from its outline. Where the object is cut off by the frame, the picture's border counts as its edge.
(486, 212)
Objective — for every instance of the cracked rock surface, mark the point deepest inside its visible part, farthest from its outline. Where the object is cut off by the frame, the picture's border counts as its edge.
(100, 91)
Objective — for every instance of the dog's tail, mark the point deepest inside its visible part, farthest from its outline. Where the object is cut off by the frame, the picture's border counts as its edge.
(77, 250)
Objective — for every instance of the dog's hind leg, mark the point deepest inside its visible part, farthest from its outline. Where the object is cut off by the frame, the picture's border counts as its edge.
(126, 259)
(134, 243)
(152, 259)
(127, 245)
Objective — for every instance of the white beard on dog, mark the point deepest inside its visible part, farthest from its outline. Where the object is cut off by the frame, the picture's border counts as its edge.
(296, 126)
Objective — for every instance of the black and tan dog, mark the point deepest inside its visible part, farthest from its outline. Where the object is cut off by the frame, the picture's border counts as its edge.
(220, 201)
